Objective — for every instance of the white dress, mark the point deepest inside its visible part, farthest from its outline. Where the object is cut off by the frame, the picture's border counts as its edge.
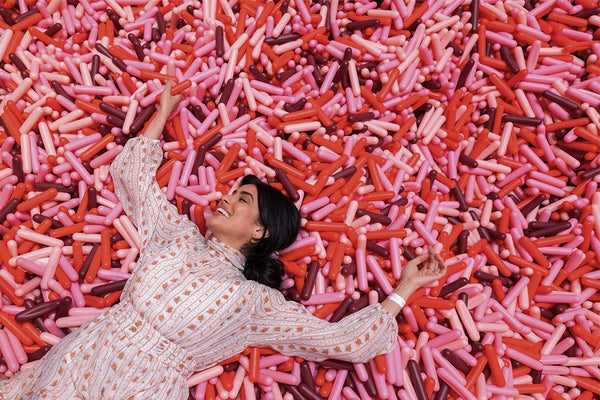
(186, 307)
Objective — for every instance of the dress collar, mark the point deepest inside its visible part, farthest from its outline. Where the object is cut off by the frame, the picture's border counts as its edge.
(232, 255)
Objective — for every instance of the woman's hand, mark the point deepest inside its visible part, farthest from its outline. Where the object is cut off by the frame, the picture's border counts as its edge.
(168, 102)
(433, 269)
(414, 278)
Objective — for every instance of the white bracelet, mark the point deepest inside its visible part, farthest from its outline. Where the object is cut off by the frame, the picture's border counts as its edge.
(396, 298)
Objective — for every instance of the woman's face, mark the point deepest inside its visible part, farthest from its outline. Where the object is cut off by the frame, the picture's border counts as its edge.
(235, 221)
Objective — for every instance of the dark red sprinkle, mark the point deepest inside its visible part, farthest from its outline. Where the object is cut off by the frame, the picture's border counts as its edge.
(337, 364)
(297, 106)
(360, 117)
(38, 218)
(521, 120)
(375, 248)
(345, 173)
(257, 74)
(474, 15)
(309, 280)
(487, 277)
(282, 39)
(293, 294)
(548, 231)
(462, 78)
(587, 13)
(306, 374)
(37, 311)
(415, 379)
(213, 140)
(115, 286)
(460, 197)
(375, 217)
(536, 201)
(468, 161)
(359, 304)
(95, 65)
(137, 46)
(370, 384)
(364, 24)
(9, 208)
(287, 185)
(26, 14)
(17, 168)
(119, 63)
(160, 22)
(295, 392)
(590, 173)
(282, 76)
(340, 312)
(6, 15)
(115, 19)
(508, 58)
(219, 43)
(39, 353)
(92, 198)
(63, 308)
(226, 93)
(489, 124)
(349, 269)
(18, 63)
(316, 70)
(88, 261)
(57, 87)
(103, 50)
(453, 286)
(41, 186)
(112, 110)
(561, 101)
(142, 117)
(461, 242)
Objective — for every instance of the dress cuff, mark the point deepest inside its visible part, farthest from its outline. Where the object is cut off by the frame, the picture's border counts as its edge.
(151, 140)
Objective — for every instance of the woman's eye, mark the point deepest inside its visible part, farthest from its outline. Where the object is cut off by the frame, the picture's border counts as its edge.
(244, 200)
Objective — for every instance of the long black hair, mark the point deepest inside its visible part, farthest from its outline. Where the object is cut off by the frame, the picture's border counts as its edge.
(281, 220)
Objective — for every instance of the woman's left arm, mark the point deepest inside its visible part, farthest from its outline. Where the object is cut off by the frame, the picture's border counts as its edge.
(290, 329)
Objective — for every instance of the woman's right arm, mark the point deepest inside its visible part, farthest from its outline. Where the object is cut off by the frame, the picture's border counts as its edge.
(133, 173)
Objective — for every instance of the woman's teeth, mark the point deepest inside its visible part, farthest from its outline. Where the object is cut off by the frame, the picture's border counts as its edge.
(222, 211)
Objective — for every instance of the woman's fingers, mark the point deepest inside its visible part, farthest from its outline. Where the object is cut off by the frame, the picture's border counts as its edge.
(419, 259)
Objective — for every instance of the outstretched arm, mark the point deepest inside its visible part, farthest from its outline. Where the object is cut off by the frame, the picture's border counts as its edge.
(289, 328)
(133, 173)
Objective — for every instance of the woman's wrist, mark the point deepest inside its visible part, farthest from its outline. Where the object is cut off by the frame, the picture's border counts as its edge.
(405, 289)
(396, 301)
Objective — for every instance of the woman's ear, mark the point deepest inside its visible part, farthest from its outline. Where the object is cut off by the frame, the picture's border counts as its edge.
(259, 233)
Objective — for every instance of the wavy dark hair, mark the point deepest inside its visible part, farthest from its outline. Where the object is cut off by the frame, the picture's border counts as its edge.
(281, 220)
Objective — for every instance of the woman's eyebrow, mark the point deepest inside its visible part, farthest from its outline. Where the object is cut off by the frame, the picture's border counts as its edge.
(247, 193)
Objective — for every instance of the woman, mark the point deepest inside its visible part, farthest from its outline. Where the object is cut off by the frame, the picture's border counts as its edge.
(192, 302)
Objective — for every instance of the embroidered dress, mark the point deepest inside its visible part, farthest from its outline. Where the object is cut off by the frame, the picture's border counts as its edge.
(186, 307)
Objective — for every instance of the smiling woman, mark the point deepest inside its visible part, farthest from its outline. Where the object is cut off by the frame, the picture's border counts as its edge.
(191, 303)
(259, 220)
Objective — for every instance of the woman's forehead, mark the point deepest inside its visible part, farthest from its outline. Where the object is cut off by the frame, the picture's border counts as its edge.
(247, 188)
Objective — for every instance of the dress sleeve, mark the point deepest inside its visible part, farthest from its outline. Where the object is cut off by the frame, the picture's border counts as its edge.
(289, 328)
(133, 173)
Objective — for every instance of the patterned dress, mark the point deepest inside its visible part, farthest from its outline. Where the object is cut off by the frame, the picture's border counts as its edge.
(186, 307)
